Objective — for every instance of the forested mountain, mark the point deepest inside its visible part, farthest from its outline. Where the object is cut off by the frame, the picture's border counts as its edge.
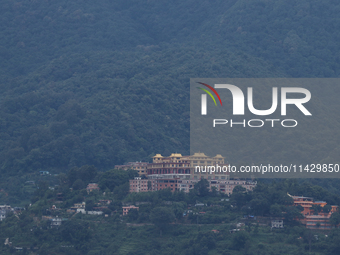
(86, 85)
(106, 82)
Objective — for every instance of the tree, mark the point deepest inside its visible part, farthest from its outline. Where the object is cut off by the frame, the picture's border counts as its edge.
(114, 178)
(240, 240)
(238, 189)
(87, 173)
(206, 239)
(76, 232)
(260, 206)
(316, 209)
(214, 192)
(121, 191)
(133, 214)
(72, 175)
(202, 187)
(309, 236)
(335, 219)
(161, 217)
(78, 185)
(178, 208)
(327, 208)
(89, 205)
(334, 242)
(292, 213)
(276, 210)
(42, 188)
(239, 196)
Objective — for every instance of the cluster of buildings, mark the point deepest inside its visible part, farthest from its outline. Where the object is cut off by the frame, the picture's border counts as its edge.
(55, 222)
(312, 219)
(98, 209)
(174, 184)
(181, 173)
(6, 209)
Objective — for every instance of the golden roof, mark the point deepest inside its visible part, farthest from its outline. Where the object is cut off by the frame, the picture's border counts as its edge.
(199, 154)
(175, 155)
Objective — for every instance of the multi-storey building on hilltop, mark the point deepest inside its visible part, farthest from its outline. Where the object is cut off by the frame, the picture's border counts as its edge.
(187, 167)
(311, 218)
(181, 173)
(174, 166)
(201, 166)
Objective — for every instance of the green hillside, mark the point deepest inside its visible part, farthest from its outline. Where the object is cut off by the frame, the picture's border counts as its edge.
(196, 223)
(106, 82)
(100, 83)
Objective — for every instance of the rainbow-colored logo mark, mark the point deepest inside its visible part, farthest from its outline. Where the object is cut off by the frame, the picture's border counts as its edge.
(204, 97)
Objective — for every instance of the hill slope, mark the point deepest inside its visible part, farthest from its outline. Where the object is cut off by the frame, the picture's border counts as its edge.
(107, 82)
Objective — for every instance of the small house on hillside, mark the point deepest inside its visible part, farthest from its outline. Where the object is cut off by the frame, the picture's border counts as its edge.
(91, 187)
(126, 209)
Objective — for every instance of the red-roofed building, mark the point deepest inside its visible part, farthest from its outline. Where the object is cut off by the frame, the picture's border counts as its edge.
(311, 219)
(126, 209)
(91, 187)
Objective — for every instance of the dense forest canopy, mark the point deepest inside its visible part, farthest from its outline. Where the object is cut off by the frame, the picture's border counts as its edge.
(107, 82)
